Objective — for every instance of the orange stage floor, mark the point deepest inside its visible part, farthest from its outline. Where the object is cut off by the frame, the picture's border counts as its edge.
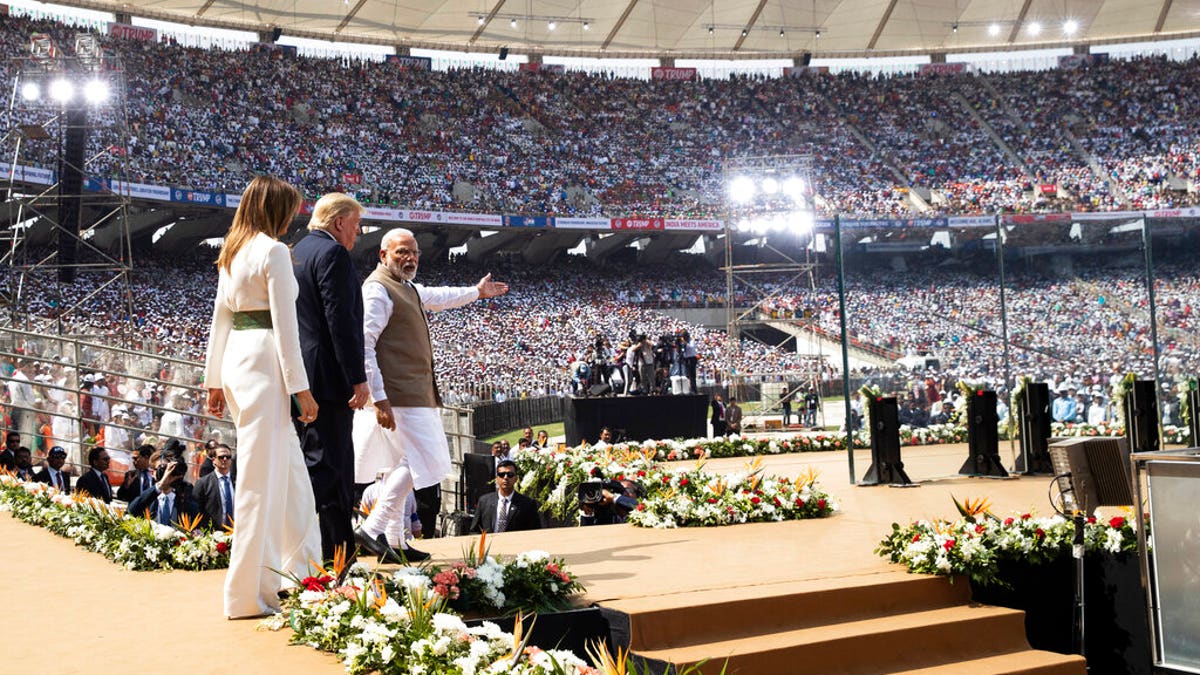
(69, 611)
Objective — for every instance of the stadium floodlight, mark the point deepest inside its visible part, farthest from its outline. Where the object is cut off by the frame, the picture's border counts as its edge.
(1035, 28)
(551, 25)
(794, 187)
(96, 91)
(741, 189)
(802, 222)
(1070, 26)
(30, 91)
(994, 29)
(512, 23)
(587, 26)
(770, 186)
(61, 90)
(479, 19)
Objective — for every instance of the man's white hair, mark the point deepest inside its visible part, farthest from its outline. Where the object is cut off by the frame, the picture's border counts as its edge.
(392, 235)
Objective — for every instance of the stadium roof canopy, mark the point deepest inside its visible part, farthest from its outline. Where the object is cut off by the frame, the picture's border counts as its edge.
(693, 28)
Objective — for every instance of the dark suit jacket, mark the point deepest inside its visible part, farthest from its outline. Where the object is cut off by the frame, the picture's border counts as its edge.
(718, 411)
(7, 459)
(522, 513)
(329, 310)
(131, 486)
(208, 496)
(90, 483)
(185, 502)
(43, 476)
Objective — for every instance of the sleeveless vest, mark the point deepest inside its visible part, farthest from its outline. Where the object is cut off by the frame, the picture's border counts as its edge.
(403, 351)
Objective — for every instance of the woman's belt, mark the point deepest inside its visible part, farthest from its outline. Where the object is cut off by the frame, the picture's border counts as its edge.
(258, 318)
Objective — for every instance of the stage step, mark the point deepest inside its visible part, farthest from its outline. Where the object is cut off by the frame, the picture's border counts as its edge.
(1029, 662)
(881, 623)
(769, 608)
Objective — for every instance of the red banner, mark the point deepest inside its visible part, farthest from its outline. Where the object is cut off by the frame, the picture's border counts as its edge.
(124, 30)
(639, 223)
(673, 74)
(1028, 218)
(1049, 189)
(942, 68)
(352, 177)
(543, 68)
(116, 150)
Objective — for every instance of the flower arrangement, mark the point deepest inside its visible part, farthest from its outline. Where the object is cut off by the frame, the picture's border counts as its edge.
(674, 497)
(972, 545)
(133, 542)
(406, 622)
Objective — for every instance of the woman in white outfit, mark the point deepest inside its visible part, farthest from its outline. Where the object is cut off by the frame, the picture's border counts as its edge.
(253, 363)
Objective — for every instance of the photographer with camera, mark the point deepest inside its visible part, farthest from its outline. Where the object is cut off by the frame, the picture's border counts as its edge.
(640, 359)
(171, 495)
(600, 353)
(607, 502)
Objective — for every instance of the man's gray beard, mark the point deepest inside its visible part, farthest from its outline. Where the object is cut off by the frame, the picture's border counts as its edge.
(398, 271)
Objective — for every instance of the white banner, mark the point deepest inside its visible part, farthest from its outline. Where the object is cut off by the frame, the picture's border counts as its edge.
(693, 225)
(583, 223)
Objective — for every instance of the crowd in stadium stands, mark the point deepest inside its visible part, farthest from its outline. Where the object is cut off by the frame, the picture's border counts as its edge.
(528, 342)
(1114, 135)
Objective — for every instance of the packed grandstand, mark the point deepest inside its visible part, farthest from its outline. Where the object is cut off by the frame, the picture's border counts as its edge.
(1111, 135)
(1118, 135)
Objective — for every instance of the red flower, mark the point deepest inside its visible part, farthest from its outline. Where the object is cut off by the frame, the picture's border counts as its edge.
(1117, 523)
(666, 479)
(916, 538)
(641, 474)
(316, 583)
(777, 502)
(1008, 521)
(712, 500)
(1091, 520)
(181, 542)
(641, 507)
(948, 544)
(620, 476)
(222, 547)
(821, 504)
(683, 481)
(1039, 533)
(755, 500)
(1026, 516)
(979, 529)
(799, 502)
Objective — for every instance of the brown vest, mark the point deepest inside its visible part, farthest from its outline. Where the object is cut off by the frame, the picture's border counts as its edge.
(403, 352)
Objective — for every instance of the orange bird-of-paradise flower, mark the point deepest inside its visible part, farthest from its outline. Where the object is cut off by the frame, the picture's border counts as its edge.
(717, 487)
(605, 661)
(807, 477)
(228, 527)
(189, 523)
(482, 545)
(381, 595)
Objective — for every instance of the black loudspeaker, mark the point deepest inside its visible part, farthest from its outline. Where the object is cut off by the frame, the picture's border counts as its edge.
(1093, 472)
(805, 59)
(1193, 396)
(886, 466)
(1141, 417)
(70, 191)
(503, 53)
(983, 439)
(599, 389)
(276, 33)
(478, 476)
(1033, 415)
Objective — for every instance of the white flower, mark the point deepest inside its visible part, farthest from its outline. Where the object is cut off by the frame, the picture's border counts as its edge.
(448, 623)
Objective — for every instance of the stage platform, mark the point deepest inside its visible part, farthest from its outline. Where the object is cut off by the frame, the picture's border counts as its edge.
(70, 608)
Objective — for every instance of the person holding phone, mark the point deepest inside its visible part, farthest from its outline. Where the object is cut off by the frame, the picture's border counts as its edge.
(253, 364)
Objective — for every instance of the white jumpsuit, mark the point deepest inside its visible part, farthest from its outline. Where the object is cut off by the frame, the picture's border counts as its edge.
(275, 523)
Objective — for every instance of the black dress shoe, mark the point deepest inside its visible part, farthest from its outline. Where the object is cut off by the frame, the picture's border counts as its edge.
(376, 546)
(413, 555)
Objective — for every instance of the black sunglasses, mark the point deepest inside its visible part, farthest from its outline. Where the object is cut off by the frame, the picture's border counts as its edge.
(224, 456)
(505, 474)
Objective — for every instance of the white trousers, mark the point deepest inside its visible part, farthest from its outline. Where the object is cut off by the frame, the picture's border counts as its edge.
(275, 516)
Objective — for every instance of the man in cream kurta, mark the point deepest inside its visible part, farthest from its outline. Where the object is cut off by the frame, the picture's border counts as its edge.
(405, 430)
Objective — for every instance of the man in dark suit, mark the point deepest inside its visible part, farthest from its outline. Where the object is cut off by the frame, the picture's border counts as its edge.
(94, 481)
(329, 311)
(718, 416)
(8, 456)
(139, 477)
(214, 491)
(24, 464)
(506, 510)
(52, 474)
(170, 497)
